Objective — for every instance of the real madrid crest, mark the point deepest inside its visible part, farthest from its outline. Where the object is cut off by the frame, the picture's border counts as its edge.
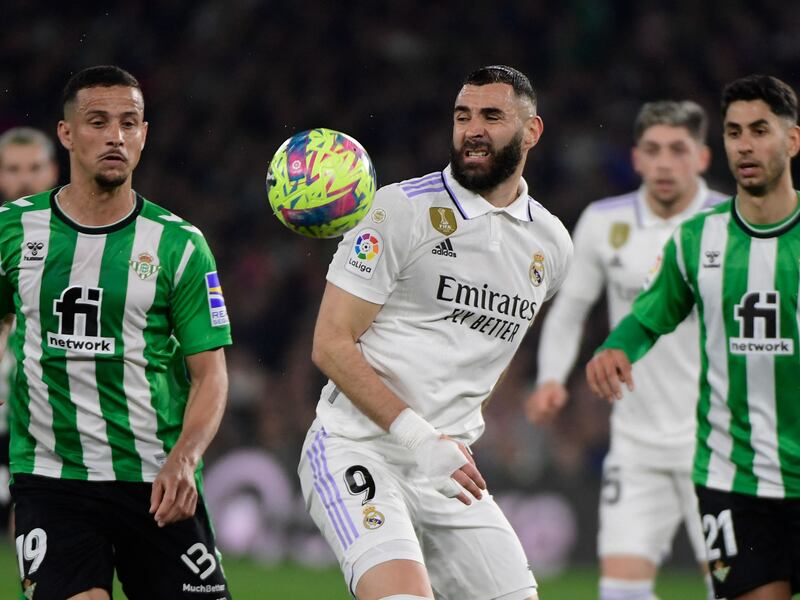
(536, 270)
(373, 518)
(443, 220)
(619, 234)
(144, 265)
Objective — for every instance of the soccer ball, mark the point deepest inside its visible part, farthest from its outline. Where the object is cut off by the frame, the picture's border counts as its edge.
(320, 183)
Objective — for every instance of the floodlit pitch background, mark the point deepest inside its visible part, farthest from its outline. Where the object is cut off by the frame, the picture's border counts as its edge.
(226, 83)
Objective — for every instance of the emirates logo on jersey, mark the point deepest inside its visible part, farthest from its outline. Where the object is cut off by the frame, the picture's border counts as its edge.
(144, 265)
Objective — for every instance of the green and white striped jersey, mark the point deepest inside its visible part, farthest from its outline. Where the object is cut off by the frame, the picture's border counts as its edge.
(105, 316)
(744, 281)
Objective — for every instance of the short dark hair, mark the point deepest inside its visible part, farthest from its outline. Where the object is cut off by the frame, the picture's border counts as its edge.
(503, 74)
(684, 113)
(102, 75)
(27, 136)
(778, 95)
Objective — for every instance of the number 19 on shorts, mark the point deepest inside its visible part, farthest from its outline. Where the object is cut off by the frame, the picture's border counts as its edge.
(31, 547)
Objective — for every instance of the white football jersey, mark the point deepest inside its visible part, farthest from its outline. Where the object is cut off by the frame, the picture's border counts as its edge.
(618, 242)
(460, 282)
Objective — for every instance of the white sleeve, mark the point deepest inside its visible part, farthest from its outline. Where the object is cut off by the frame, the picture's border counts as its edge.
(564, 257)
(370, 256)
(563, 326)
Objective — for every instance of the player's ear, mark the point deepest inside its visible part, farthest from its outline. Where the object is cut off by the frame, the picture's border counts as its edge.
(635, 160)
(534, 126)
(793, 135)
(144, 133)
(704, 158)
(64, 134)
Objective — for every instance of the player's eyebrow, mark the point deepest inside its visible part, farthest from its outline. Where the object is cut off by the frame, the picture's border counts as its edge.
(104, 113)
(756, 123)
(492, 111)
(486, 112)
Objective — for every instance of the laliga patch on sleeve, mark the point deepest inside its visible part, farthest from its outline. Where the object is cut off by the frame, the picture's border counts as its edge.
(216, 302)
(367, 251)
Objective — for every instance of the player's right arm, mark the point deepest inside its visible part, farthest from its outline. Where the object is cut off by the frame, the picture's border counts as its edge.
(563, 325)
(5, 330)
(343, 318)
(658, 310)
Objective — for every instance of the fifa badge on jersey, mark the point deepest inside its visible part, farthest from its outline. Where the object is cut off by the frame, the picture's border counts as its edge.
(536, 270)
(443, 220)
(373, 518)
(367, 251)
(619, 234)
(216, 302)
(720, 571)
(144, 265)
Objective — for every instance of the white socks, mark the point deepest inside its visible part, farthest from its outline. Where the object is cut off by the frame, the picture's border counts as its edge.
(625, 589)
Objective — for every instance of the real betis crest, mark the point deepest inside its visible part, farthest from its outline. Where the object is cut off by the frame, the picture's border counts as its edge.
(721, 571)
(144, 266)
(619, 234)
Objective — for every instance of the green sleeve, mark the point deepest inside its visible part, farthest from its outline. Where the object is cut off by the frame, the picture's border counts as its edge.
(199, 314)
(658, 309)
(630, 336)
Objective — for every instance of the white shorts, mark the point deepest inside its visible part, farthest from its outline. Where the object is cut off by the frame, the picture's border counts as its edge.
(641, 509)
(371, 511)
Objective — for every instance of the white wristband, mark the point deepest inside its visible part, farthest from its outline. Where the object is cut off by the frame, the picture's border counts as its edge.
(410, 430)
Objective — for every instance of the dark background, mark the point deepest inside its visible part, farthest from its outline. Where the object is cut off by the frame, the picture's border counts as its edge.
(226, 82)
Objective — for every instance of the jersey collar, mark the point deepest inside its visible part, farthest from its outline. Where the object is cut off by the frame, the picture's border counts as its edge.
(647, 218)
(471, 205)
(103, 229)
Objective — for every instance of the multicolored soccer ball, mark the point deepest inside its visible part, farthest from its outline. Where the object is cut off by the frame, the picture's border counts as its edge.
(320, 183)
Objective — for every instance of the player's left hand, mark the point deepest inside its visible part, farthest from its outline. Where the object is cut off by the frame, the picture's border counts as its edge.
(174, 494)
(607, 371)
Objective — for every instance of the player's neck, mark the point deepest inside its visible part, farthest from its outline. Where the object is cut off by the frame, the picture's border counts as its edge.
(506, 192)
(669, 210)
(774, 206)
(92, 206)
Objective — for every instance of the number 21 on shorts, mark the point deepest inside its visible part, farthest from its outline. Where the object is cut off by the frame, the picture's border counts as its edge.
(31, 547)
(713, 526)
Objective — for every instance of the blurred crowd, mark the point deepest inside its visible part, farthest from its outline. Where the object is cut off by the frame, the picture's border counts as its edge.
(226, 83)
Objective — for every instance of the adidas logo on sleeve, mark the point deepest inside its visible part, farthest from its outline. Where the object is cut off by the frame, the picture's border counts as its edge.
(444, 248)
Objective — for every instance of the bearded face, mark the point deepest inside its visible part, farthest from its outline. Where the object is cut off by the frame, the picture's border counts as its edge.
(479, 166)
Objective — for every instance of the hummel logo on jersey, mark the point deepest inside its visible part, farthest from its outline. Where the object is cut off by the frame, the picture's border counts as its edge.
(615, 262)
(78, 311)
(444, 248)
(33, 251)
(711, 259)
(758, 314)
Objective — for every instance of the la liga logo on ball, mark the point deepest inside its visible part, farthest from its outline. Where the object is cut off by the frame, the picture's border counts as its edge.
(321, 183)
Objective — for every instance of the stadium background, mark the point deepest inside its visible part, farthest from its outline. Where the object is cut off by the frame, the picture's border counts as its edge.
(226, 83)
